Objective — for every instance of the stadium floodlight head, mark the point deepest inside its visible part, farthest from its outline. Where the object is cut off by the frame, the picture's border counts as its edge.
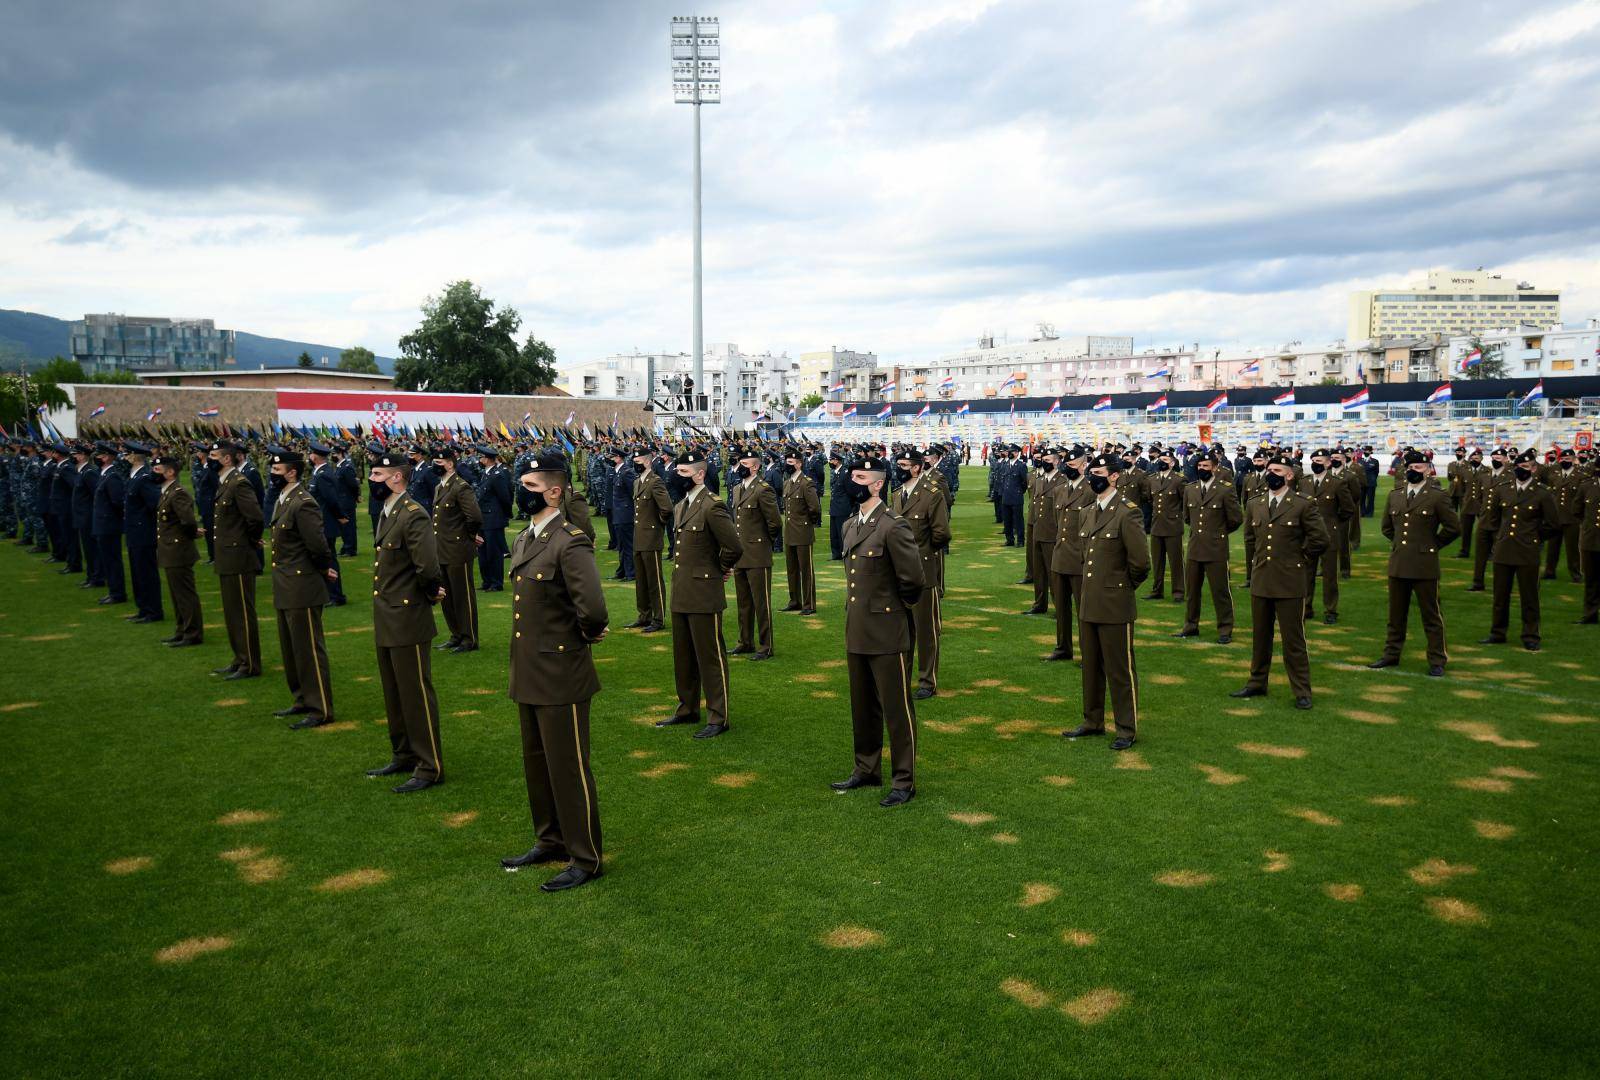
(697, 81)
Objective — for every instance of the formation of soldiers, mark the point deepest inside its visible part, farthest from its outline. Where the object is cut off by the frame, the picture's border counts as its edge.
(1095, 523)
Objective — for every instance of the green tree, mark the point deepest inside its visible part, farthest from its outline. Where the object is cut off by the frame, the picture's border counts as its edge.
(1328, 380)
(21, 396)
(305, 359)
(61, 370)
(360, 360)
(1493, 364)
(810, 401)
(115, 378)
(466, 345)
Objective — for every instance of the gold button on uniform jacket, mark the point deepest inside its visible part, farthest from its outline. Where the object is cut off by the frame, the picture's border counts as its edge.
(755, 523)
(1286, 541)
(883, 580)
(457, 520)
(176, 528)
(707, 548)
(405, 575)
(557, 609)
(300, 554)
(1418, 527)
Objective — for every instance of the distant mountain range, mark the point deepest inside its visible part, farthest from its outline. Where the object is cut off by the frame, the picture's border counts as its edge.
(27, 336)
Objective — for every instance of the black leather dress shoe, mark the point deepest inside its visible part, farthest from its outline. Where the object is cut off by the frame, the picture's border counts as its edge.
(1035, 611)
(105, 600)
(924, 693)
(1531, 646)
(808, 611)
(1082, 731)
(1155, 596)
(533, 857)
(292, 710)
(170, 640)
(637, 624)
(311, 722)
(790, 607)
(1302, 703)
(741, 650)
(1057, 654)
(241, 673)
(183, 643)
(416, 783)
(1187, 633)
(1585, 621)
(465, 646)
(1383, 662)
(1121, 742)
(1248, 691)
(229, 670)
(653, 628)
(673, 720)
(450, 644)
(570, 878)
(1330, 619)
(711, 731)
(1224, 639)
(394, 768)
(857, 782)
(1492, 640)
(1475, 588)
(761, 656)
(898, 797)
(90, 585)
(1436, 670)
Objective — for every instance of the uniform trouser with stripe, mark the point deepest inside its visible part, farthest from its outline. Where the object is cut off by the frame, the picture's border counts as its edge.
(460, 603)
(880, 697)
(1064, 590)
(1215, 574)
(1041, 552)
(1568, 538)
(412, 709)
(1469, 522)
(91, 557)
(1351, 542)
(649, 587)
(1166, 551)
(491, 557)
(1590, 561)
(753, 590)
(305, 659)
(1325, 565)
(1527, 579)
(110, 548)
(1426, 590)
(1027, 555)
(802, 576)
(207, 520)
(561, 794)
(185, 603)
(146, 579)
(239, 614)
(1108, 664)
(1480, 558)
(927, 617)
(700, 665)
(1289, 613)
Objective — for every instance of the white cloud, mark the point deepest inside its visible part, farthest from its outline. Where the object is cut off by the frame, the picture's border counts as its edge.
(1549, 28)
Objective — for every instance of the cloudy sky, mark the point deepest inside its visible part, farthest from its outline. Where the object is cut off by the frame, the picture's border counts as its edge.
(900, 175)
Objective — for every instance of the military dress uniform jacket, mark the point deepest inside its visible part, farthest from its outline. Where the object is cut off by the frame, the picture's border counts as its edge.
(1419, 527)
(576, 511)
(1565, 487)
(755, 522)
(928, 516)
(1520, 519)
(1116, 558)
(802, 511)
(652, 509)
(405, 576)
(707, 548)
(456, 520)
(1041, 503)
(1286, 541)
(1588, 513)
(1332, 497)
(301, 555)
(237, 525)
(883, 581)
(558, 609)
(1211, 515)
(1166, 504)
(109, 501)
(1071, 501)
(176, 528)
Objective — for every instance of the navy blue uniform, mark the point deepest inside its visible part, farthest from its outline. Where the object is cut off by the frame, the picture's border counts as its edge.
(142, 492)
(253, 475)
(350, 494)
(66, 540)
(205, 498)
(1013, 490)
(839, 508)
(621, 499)
(83, 520)
(424, 478)
(324, 488)
(494, 501)
(109, 496)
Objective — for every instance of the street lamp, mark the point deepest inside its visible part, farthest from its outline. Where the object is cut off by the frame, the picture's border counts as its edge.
(697, 81)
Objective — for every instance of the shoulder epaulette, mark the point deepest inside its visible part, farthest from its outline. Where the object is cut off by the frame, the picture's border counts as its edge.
(573, 530)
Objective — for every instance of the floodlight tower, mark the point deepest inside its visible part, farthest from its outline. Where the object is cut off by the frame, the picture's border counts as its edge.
(697, 81)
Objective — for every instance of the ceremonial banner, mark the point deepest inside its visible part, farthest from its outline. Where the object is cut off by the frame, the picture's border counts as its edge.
(387, 409)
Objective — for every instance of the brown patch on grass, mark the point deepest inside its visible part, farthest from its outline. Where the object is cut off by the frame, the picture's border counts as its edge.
(463, 817)
(1220, 777)
(658, 648)
(464, 712)
(247, 817)
(1550, 718)
(337, 725)
(1015, 727)
(824, 695)
(1460, 912)
(1366, 717)
(1483, 783)
(1347, 893)
(1094, 1006)
(1479, 731)
(365, 678)
(640, 755)
(943, 727)
(1006, 838)
(1493, 830)
(481, 691)
(664, 769)
(1436, 872)
(1185, 879)
(1392, 800)
(228, 703)
(986, 683)
(1042, 639)
(47, 637)
(830, 664)
(18, 706)
(1470, 695)
(1132, 759)
(1511, 772)
(364, 878)
(734, 779)
(1035, 893)
(646, 690)
(971, 817)
(261, 871)
(1024, 992)
(1242, 710)
(811, 677)
(1316, 817)
(1010, 689)
(1166, 680)
(1269, 750)
(1059, 781)
(190, 948)
(239, 854)
(1049, 699)
(132, 864)
(1080, 938)
(1277, 861)
(851, 937)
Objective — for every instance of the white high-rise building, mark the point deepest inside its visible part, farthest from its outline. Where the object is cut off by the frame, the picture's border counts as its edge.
(740, 385)
(1450, 302)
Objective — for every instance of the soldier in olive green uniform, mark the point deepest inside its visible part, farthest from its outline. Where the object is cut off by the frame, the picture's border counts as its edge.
(1255, 483)
(802, 513)
(1212, 512)
(707, 547)
(1116, 558)
(1165, 491)
(1471, 506)
(558, 613)
(237, 524)
(176, 554)
(1066, 559)
(1565, 484)
(406, 583)
(1344, 467)
(1497, 477)
(1042, 529)
(1521, 515)
(652, 511)
(302, 566)
(457, 531)
(883, 582)
(1588, 513)
(756, 523)
(1336, 507)
(920, 503)
(1289, 536)
(1419, 523)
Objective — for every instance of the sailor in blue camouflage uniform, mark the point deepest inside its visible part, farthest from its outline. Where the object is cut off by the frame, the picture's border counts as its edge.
(8, 508)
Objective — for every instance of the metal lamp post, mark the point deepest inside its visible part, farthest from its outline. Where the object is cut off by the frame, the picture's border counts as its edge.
(697, 81)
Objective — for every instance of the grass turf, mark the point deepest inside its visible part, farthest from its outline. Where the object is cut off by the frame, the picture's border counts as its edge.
(1039, 909)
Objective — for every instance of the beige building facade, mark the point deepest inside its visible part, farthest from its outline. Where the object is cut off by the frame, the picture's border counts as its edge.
(1450, 302)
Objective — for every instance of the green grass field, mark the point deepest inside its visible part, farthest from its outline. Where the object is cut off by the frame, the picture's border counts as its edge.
(1402, 881)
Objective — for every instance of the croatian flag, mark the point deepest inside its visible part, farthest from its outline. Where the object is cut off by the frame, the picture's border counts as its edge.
(379, 409)
(848, 413)
(1102, 405)
(1251, 368)
(151, 415)
(527, 418)
(1157, 405)
(966, 407)
(1055, 406)
(1160, 374)
(947, 383)
(1535, 392)
(887, 388)
(883, 413)
(97, 411)
(837, 388)
(1355, 400)
(1010, 381)
(1440, 395)
(1218, 403)
(208, 414)
(1472, 359)
(922, 411)
(1285, 398)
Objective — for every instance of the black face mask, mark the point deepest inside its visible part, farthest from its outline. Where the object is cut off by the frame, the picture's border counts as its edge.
(1204, 474)
(742, 472)
(1566, 465)
(1048, 466)
(1098, 484)
(1165, 466)
(679, 484)
(1415, 476)
(794, 467)
(214, 466)
(1275, 481)
(1317, 466)
(1070, 471)
(1524, 474)
(1497, 465)
(276, 482)
(902, 475)
(856, 493)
